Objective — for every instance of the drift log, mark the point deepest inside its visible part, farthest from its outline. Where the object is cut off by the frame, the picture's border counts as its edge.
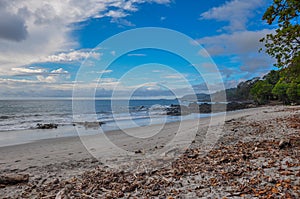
(10, 179)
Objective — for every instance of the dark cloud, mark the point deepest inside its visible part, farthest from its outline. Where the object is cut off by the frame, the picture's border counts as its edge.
(3, 4)
(12, 27)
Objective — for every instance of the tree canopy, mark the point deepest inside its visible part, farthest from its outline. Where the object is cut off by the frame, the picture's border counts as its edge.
(284, 43)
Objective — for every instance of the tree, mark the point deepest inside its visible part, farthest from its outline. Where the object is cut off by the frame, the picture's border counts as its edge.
(284, 44)
(280, 90)
(261, 91)
(272, 77)
(293, 92)
(292, 72)
(243, 88)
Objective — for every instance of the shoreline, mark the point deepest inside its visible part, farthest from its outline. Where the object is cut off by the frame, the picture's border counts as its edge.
(27, 136)
(63, 158)
(143, 114)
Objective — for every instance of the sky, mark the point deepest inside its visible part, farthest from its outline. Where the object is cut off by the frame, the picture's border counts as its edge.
(48, 48)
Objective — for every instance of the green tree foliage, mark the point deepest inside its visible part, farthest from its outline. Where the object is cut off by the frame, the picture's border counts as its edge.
(284, 44)
(280, 90)
(261, 91)
(292, 73)
(272, 77)
(293, 92)
(291, 77)
(243, 89)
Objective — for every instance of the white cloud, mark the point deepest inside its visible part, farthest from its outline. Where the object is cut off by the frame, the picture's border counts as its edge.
(41, 28)
(243, 45)
(116, 14)
(175, 76)
(28, 71)
(37, 83)
(122, 22)
(59, 71)
(55, 76)
(161, 1)
(70, 56)
(236, 12)
(41, 74)
(235, 43)
(157, 71)
(104, 71)
(136, 55)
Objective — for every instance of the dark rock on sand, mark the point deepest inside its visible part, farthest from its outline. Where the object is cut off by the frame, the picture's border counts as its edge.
(46, 126)
(205, 108)
(284, 144)
(177, 110)
(219, 107)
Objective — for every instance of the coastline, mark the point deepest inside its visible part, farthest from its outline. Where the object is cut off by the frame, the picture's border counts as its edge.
(63, 158)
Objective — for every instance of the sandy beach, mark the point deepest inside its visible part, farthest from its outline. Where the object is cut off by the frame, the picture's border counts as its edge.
(256, 144)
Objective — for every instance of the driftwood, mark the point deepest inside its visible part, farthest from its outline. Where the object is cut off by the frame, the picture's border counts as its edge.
(10, 179)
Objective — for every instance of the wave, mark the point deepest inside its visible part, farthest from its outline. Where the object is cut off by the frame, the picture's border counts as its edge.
(23, 121)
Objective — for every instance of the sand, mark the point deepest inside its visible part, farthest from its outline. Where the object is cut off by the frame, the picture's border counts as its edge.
(64, 157)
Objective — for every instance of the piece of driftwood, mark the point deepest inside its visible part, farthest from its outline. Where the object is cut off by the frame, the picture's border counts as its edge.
(10, 179)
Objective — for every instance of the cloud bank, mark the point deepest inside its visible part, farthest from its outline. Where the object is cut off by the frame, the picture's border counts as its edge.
(237, 40)
(33, 31)
(236, 12)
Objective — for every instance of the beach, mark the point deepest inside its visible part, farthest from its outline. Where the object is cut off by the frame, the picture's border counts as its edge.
(262, 144)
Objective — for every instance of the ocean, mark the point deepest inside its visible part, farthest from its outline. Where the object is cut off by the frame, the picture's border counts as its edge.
(26, 114)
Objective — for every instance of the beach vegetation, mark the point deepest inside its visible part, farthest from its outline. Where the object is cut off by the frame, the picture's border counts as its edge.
(284, 43)
(262, 91)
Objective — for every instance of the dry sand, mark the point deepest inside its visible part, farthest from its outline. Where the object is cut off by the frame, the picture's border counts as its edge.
(60, 159)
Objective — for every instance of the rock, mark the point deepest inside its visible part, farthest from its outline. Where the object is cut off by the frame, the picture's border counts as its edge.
(141, 108)
(232, 106)
(284, 144)
(205, 108)
(272, 180)
(55, 181)
(194, 155)
(177, 110)
(220, 107)
(46, 126)
(155, 193)
(138, 151)
(11, 179)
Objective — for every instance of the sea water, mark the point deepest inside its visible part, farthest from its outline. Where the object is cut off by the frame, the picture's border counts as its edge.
(26, 114)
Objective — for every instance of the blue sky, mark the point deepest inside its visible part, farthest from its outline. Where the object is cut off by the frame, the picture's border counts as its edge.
(44, 43)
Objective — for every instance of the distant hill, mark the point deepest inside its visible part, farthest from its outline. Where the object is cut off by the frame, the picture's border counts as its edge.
(281, 86)
(217, 96)
(201, 97)
(240, 93)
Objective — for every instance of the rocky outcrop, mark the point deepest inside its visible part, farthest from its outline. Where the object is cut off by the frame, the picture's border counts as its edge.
(46, 126)
(219, 107)
(177, 110)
